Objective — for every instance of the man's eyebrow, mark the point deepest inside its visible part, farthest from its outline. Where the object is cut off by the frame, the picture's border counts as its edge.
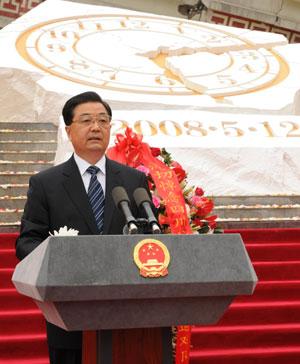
(87, 113)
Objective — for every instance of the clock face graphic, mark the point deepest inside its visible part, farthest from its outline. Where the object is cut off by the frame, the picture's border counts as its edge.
(150, 55)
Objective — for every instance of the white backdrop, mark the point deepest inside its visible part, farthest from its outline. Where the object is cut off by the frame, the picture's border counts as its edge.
(223, 100)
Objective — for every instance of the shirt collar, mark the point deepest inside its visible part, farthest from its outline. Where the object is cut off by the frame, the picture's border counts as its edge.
(83, 164)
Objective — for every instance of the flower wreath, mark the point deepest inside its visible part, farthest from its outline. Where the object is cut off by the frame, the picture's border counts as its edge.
(129, 149)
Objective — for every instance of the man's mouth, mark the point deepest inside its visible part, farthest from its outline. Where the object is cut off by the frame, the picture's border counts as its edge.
(94, 138)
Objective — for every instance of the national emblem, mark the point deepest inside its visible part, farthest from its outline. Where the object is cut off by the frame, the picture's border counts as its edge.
(152, 257)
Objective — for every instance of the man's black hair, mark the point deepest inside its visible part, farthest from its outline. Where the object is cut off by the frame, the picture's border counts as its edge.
(90, 96)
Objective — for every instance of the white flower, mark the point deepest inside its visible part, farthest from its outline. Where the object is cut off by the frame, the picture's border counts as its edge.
(210, 231)
(188, 210)
(64, 231)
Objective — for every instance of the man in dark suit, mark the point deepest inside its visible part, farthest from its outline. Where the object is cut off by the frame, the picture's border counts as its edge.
(58, 197)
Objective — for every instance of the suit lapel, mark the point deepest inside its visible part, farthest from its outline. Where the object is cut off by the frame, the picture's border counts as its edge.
(112, 181)
(75, 188)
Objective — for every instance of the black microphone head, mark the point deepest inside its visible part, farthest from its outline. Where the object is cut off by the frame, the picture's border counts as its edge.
(141, 195)
(119, 194)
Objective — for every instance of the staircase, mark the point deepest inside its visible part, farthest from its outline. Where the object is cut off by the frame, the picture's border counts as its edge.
(25, 149)
(262, 328)
(265, 327)
(257, 212)
(22, 326)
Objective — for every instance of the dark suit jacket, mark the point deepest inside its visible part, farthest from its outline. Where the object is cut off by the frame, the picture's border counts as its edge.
(57, 197)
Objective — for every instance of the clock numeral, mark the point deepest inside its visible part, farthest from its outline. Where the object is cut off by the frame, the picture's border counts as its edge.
(192, 31)
(70, 34)
(226, 80)
(109, 75)
(179, 29)
(209, 38)
(56, 47)
(247, 55)
(80, 25)
(103, 75)
(246, 68)
(134, 24)
(88, 24)
(78, 64)
(98, 26)
(164, 81)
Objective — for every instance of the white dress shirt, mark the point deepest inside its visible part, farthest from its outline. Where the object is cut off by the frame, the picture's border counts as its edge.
(83, 165)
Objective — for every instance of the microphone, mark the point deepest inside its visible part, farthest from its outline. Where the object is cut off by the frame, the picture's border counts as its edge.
(141, 198)
(122, 202)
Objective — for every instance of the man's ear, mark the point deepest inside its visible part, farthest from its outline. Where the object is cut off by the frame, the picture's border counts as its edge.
(67, 129)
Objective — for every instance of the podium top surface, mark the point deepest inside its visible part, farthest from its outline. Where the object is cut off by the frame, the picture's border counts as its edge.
(67, 268)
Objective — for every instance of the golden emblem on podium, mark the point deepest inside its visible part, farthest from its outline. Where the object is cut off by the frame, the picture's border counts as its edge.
(152, 257)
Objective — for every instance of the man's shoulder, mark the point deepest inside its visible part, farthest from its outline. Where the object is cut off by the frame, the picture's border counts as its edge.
(122, 167)
(52, 171)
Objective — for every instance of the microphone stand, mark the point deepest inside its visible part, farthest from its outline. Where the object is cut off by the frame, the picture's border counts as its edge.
(143, 227)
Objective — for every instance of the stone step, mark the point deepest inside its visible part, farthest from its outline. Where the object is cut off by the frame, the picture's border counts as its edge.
(15, 177)
(9, 228)
(10, 222)
(14, 190)
(18, 202)
(27, 156)
(260, 224)
(259, 212)
(16, 145)
(8, 202)
(8, 216)
(255, 200)
(25, 149)
(13, 125)
(24, 166)
(20, 135)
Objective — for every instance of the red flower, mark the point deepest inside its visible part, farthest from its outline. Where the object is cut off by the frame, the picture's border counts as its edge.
(155, 152)
(176, 165)
(199, 191)
(129, 140)
(197, 222)
(211, 218)
(134, 158)
(163, 220)
(205, 209)
(130, 145)
(180, 173)
(193, 211)
(212, 224)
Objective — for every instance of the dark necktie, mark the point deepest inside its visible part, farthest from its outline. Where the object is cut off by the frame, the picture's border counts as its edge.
(96, 197)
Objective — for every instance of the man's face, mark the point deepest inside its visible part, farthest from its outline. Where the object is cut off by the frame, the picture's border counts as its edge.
(89, 139)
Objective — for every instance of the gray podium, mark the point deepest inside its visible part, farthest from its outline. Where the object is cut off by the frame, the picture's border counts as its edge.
(92, 282)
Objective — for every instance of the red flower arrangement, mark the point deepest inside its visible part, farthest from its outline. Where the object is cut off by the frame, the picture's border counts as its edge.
(198, 207)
